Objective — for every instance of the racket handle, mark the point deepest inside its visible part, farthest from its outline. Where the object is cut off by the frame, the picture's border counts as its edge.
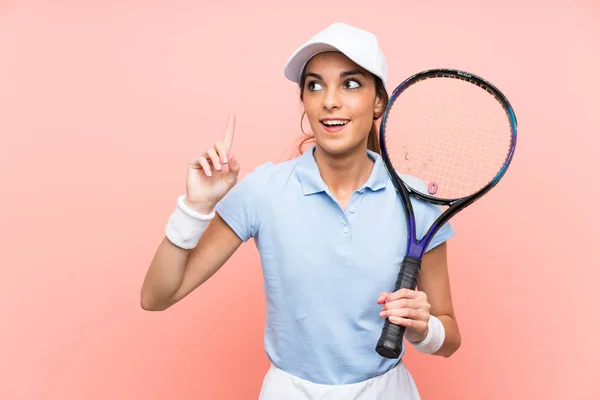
(392, 335)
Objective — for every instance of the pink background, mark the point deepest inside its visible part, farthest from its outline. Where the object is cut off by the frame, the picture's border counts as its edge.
(103, 103)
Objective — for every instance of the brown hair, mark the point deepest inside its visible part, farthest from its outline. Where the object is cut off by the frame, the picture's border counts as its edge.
(373, 139)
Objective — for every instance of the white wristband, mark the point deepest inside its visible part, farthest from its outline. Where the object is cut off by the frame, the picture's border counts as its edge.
(186, 226)
(435, 337)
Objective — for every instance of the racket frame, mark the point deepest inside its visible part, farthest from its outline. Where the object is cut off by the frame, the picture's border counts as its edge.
(391, 341)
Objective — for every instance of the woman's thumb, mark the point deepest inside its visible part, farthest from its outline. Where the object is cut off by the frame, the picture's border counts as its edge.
(234, 166)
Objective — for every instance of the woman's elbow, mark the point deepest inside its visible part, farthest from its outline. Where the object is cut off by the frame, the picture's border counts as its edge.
(148, 302)
(452, 347)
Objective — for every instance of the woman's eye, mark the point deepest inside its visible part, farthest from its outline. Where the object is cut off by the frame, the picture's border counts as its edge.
(314, 86)
(352, 84)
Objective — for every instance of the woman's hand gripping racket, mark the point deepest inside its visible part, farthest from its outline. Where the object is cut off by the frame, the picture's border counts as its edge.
(447, 137)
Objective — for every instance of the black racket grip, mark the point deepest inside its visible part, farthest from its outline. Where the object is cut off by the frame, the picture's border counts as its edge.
(392, 335)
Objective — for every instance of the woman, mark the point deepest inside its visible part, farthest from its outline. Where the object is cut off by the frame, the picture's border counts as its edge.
(331, 235)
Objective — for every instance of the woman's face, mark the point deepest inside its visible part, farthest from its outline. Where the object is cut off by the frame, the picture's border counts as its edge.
(340, 101)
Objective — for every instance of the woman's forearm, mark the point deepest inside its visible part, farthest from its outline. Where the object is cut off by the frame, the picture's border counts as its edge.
(164, 276)
(452, 338)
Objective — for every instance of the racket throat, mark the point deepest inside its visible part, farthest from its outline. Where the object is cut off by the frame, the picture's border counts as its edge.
(415, 252)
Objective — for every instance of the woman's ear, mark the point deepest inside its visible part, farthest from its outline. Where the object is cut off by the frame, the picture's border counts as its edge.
(378, 111)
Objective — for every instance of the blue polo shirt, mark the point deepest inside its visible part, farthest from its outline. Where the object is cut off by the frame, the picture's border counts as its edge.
(324, 266)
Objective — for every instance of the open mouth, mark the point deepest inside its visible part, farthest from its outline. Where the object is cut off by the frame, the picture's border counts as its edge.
(334, 123)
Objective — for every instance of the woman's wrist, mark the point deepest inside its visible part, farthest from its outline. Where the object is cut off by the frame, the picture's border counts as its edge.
(435, 337)
(186, 225)
(200, 208)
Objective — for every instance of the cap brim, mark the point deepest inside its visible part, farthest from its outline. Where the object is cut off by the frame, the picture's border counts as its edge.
(296, 63)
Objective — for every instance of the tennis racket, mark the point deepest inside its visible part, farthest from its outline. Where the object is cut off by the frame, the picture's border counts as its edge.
(447, 137)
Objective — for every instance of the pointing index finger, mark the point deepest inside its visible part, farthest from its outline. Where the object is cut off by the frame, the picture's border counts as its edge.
(229, 131)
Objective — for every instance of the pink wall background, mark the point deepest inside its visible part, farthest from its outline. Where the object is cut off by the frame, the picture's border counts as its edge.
(102, 104)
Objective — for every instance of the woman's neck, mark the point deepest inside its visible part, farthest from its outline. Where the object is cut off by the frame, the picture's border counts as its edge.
(346, 173)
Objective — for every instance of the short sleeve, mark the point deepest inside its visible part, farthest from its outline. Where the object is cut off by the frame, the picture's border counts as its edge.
(241, 207)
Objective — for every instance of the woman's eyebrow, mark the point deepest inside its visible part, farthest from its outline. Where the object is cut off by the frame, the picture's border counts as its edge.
(342, 74)
(353, 72)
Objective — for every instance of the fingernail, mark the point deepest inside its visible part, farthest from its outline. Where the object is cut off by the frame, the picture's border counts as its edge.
(382, 314)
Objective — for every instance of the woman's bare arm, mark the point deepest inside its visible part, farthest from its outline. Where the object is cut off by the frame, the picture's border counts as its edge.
(174, 272)
(434, 281)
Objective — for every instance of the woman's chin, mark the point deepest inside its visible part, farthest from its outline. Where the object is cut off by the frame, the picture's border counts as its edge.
(337, 145)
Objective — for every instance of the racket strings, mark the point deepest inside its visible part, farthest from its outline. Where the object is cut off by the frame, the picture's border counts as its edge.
(453, 136)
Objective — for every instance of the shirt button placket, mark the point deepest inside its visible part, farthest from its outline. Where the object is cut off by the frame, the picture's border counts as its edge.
(346, 233)
(348, 220)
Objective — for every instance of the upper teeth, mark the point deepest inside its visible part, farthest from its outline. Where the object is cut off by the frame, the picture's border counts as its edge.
(335, 122)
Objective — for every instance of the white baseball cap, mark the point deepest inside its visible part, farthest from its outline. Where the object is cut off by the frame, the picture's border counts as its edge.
(359, 45)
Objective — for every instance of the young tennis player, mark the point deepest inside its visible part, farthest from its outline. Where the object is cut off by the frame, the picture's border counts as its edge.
(331, 234)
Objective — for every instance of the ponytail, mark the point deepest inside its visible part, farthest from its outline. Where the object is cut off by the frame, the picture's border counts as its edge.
(373, 140)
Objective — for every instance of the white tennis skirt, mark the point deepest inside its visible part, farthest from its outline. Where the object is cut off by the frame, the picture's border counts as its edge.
(396, 384)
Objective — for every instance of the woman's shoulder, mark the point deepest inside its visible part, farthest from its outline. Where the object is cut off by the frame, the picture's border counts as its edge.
(246, 203)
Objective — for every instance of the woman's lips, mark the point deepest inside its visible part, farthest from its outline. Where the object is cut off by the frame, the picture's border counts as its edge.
(333, 125)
